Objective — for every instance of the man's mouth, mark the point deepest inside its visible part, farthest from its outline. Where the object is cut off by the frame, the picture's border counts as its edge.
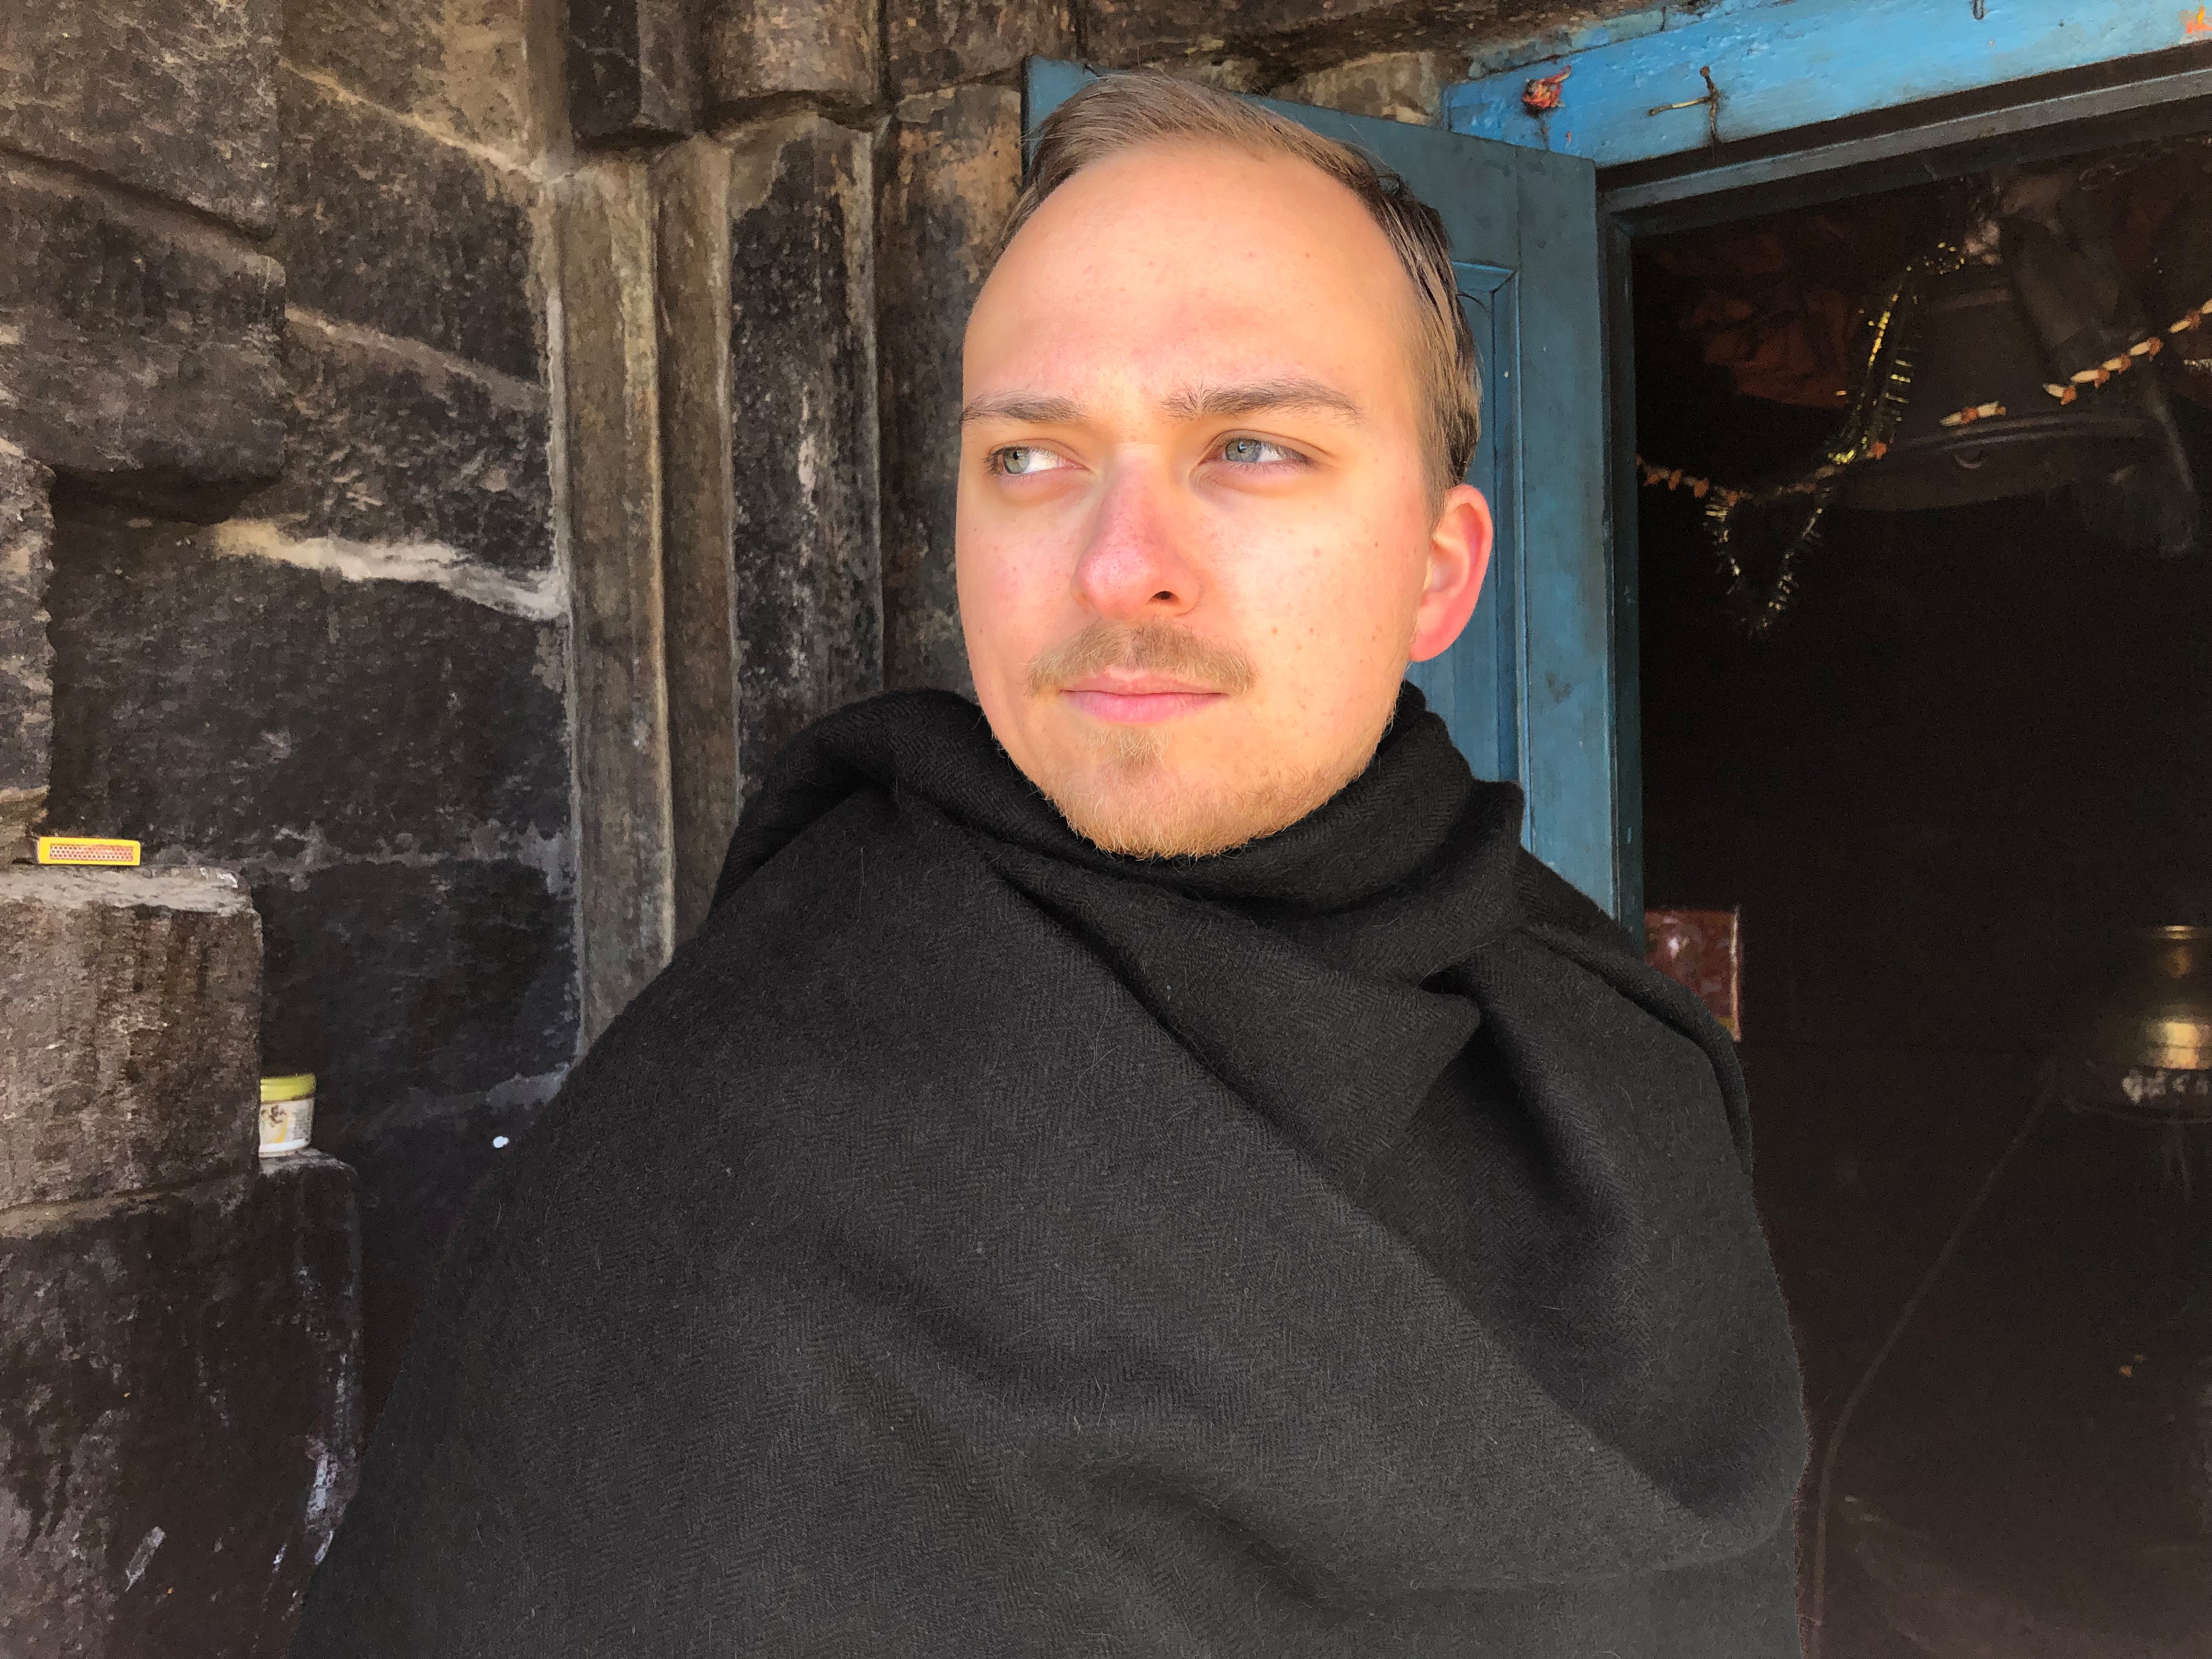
(1139, 697)
(1140, 675)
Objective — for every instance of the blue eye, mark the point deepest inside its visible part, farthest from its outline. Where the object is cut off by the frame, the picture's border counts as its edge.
(1255, 451)
(1021, 460)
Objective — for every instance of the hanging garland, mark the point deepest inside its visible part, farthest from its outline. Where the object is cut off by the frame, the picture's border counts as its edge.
(2150, 346)
(1884, 378)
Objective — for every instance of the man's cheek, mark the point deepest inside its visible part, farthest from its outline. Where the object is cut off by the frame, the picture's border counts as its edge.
(1004, 586)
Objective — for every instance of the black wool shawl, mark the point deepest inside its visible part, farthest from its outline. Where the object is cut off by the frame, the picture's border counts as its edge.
(977, 1244)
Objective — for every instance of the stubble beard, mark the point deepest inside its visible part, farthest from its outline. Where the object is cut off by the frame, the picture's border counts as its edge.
(1132, 797)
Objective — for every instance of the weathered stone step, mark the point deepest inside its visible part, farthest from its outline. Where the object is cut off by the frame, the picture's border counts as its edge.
(179, 1412)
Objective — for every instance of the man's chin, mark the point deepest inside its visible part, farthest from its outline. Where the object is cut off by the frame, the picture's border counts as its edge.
(1139, 801)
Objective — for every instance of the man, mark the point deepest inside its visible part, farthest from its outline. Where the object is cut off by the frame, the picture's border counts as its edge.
(1151, 1168)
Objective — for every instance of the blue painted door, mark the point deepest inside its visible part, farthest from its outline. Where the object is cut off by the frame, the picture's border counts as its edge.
(1528, 691)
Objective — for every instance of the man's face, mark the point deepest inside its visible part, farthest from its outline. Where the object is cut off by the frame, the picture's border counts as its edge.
(1197, 540)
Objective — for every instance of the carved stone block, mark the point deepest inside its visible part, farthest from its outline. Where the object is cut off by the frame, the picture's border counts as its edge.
(390, 441)
(385, 225)
(232, 695)
(758, 49)
(1301, 33)
(930, 44)
(1399, 86)
(465, 66)
(176, 99)
(133, 1003)
(633, 68)
(135, 342)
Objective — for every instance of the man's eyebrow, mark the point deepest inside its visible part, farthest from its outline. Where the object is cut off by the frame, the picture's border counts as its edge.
(1029, 408)
(1253, 397)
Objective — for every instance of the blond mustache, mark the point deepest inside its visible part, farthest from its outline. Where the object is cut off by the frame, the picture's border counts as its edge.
(1158, 647)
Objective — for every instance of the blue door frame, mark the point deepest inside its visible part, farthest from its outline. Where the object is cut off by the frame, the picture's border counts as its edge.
(1672, 80)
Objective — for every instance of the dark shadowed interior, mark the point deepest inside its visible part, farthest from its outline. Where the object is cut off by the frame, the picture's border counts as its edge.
(1942, 787)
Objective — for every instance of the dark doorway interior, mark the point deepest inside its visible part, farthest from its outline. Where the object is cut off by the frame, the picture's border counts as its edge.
(1974, 752)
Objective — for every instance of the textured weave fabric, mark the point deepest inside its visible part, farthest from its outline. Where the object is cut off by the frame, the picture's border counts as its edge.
(977, 1244)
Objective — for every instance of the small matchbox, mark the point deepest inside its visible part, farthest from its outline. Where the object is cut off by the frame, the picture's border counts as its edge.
(86, 849)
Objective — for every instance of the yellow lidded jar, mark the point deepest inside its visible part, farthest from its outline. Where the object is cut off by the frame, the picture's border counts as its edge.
(288, 1114)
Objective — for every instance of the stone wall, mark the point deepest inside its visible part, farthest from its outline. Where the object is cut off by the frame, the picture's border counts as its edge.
(282, 584)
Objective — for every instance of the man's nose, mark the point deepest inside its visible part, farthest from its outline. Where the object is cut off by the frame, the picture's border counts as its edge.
(1135, 566)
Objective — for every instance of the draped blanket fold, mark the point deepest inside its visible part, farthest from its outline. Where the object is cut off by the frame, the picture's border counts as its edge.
(978, 1244)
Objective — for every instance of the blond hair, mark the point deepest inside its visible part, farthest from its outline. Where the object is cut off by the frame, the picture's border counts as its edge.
(1121, 111)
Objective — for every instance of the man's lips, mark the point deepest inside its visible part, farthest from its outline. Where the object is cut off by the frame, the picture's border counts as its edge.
(1138, 699)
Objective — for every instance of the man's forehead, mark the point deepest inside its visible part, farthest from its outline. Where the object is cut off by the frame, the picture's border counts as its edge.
(1200, 220)
(1187, 400)
(1162, 280)
(1202, 184)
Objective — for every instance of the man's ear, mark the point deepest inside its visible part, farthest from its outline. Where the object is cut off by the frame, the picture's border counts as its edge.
(1459, 556)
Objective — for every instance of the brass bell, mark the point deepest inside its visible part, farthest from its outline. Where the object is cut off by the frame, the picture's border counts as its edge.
(2045, 307)
(2159, 1016)
(1973, 346)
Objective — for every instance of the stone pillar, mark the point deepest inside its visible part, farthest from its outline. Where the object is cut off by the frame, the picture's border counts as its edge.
(803, 372)
(611, 376)
(768, 370)
(950, 167)
(692, 202)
